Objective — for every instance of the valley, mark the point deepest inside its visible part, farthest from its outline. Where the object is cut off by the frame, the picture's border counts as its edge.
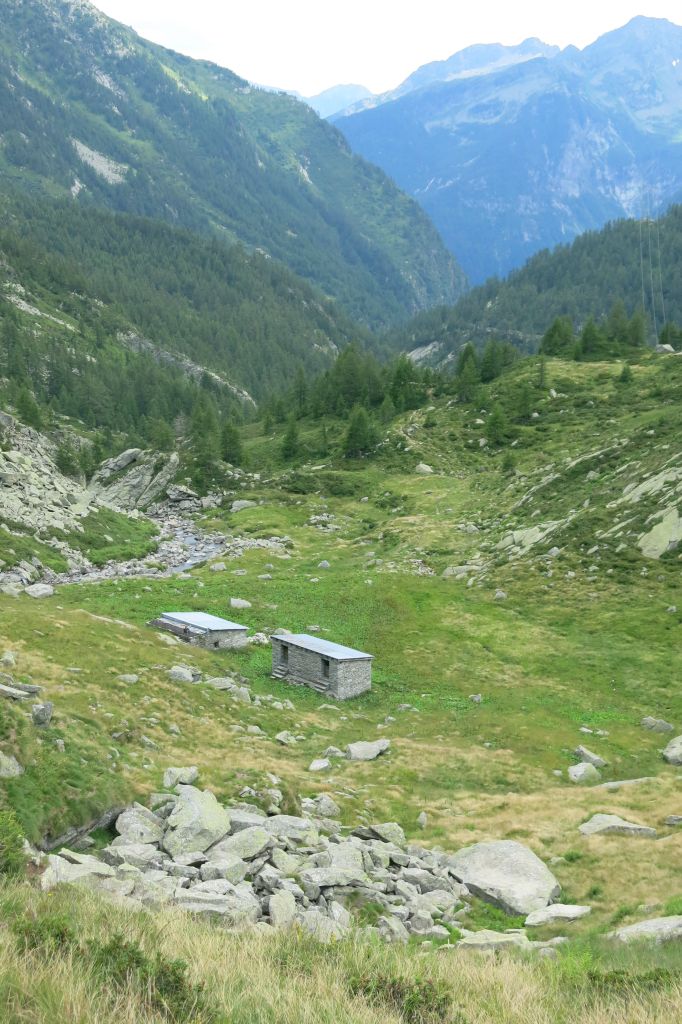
(242, 377)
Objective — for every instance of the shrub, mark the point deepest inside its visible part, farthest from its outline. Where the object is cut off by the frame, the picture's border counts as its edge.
(415, 1000)
(162, 983)
(12, 860)
(49, 934)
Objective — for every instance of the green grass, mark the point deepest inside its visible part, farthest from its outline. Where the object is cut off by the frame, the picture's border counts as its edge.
(111, 536)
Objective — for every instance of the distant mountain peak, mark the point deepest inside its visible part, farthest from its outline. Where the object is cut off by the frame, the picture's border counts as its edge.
(338, 98)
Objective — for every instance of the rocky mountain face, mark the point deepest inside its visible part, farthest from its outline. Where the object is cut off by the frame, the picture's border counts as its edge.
(339, 97)
(89, 109)
(514, 150)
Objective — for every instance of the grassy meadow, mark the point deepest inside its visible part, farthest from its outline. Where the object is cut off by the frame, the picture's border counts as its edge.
(585, 638)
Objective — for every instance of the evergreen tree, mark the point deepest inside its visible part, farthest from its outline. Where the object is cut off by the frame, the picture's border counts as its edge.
(559, 339)
(301, 392)
(359, 438)
(497, 426)
(468, 379)
(625, 375)
(231, 446)
(28, 409)
(66, 458)
(290, 441)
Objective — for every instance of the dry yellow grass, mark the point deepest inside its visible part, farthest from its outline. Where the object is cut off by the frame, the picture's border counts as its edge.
(255, 978)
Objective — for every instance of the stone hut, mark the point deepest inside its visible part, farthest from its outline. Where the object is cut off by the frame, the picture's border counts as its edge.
(202, 630)
(329, 668)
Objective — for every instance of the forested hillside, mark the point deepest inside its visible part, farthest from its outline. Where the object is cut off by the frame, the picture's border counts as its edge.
(636, 263)
(88, 108)
(125, 323)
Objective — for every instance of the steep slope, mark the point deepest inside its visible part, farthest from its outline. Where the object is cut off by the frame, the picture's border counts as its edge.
(114, 318)
(88, 107)
(637, 263)
(338, 97)
(511, 160)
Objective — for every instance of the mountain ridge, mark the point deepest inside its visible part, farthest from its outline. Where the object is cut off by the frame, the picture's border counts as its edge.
(523, 157)
(87, 107)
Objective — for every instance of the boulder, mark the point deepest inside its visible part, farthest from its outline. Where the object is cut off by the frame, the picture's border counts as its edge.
(556, 912)
(282, 909)
(320, 764)
(287, 739)
(288, 826)
(611, 824)
(9, 767)
(658, 929)
(196, 822)
(506, 874)
(77, 869)
(41, 714)
(487, 940)
(587, 757)
(38, 590)
(237, 907)
(137, 855)
(584, 774)
(180, 674)
(140, 825)
(656, 724)
(389, 832)
(182, 776)
(239, 506)
(673, 752)
(229, 867)
(324, 806)
(239, 602)
(367, 750)
(422, 469)
(246, 845)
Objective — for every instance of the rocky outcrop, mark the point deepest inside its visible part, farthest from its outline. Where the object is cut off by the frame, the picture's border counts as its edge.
(506, 874)
(284, 871)
(135, 479)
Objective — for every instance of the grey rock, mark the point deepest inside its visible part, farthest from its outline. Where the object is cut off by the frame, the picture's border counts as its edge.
(239, 602)
(656, 724)
(282, 910)
(320, 764)
(239, 506)
(196, 822)
(658, 929)
(506, 874)
(129, 678)
(556, 912)
(9, 767)
(674, 820)
(139, 855)
(287, 739)
(139, 825)
(673, 752)
(323, 805)
(246, 844)
(490, 940)
(367, 750)
(183, 776)
(229, 867)
(288, 826)
(389, 832)
(392, 929)
(611, 824)
(41, 714)
(180, 674)
(320, 927)
(77, 869)
(583, 774)
(422, 819)
(237, 907)
(39, 590)
(588, 757)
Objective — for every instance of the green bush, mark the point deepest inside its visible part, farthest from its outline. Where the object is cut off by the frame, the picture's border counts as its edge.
(49, 934)
(12, 860)
(415, 1000)
(160, 982)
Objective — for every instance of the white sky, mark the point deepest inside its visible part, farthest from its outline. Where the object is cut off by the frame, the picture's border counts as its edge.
(309, 45)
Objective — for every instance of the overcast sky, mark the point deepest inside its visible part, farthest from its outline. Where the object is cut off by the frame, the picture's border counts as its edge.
(309, 45)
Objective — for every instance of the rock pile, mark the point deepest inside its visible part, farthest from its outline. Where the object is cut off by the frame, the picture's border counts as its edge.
(278, 871)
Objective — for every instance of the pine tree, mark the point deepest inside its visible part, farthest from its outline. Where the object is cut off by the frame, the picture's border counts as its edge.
(290, 441)
(231, 447)
(359, 437)
(497, 427)
(28, 409)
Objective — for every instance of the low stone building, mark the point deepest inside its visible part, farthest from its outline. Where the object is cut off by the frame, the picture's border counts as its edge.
(329, 668)
(202, 630)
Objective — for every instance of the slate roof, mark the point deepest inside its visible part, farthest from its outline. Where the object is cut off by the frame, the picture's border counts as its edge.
(324, 647)
(201, 620)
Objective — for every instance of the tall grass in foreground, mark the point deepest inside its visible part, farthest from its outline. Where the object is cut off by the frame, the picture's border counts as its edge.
(71, 958)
